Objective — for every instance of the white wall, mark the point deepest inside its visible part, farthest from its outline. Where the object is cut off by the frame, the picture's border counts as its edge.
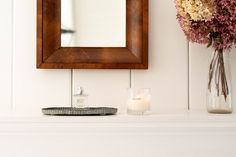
(25, 89)
(168, 68)
(6, 12)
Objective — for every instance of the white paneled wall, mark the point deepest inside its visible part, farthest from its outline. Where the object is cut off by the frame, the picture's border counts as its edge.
(168, 60)
(199, 60)
(25, 89)
(104, 87)
(32, 88)
(6, 55)
(233, 73)
(168, 67)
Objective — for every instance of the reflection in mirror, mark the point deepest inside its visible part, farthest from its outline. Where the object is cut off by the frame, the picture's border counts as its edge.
(93, 23)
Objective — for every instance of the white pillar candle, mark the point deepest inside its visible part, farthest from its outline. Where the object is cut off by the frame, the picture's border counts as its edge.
(139, 101)
(146, 98)
(138, 105)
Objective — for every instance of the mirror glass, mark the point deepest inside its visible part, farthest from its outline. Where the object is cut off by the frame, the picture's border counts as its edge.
(93, 23)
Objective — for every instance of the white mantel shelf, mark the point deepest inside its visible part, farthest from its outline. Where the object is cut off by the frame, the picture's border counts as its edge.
(187, 123)
(187, 134)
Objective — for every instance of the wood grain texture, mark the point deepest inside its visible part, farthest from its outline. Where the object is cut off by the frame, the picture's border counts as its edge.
(51, 55)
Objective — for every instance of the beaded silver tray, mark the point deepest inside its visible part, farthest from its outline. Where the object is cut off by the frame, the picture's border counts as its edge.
(69, 111)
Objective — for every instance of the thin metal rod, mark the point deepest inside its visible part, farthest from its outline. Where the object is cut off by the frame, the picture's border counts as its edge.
(72, 85)
(189, 76)
(12, 55)
(131, 79)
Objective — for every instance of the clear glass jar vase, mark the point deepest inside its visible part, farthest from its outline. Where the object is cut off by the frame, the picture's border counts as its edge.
(219, 92)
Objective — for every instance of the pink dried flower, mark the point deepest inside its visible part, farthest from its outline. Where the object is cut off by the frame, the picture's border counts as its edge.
(219, 32)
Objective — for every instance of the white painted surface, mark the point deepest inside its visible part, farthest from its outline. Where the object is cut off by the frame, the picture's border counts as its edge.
(176, 135)
(199, 60)
(233, 74)
(168, 67)
(6, 55)
(168, 60)
(121, 145)
(104, 87)
(186, 119)
(34, 88)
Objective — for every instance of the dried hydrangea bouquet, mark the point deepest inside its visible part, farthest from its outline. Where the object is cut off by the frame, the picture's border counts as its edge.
(213, 23)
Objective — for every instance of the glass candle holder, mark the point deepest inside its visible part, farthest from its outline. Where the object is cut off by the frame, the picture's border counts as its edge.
(79, 99)
(139, 101)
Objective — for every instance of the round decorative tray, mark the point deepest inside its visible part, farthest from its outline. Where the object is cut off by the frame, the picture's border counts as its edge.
(69, 111)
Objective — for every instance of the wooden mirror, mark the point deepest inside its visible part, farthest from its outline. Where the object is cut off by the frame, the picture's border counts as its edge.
(125, 46)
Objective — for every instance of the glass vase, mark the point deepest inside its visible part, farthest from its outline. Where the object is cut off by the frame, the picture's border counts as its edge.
(219, 92)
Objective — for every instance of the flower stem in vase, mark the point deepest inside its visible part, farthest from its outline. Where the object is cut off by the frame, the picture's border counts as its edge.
(219, 97)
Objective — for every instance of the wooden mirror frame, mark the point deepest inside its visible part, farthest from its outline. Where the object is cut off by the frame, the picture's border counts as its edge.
(50, 54)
